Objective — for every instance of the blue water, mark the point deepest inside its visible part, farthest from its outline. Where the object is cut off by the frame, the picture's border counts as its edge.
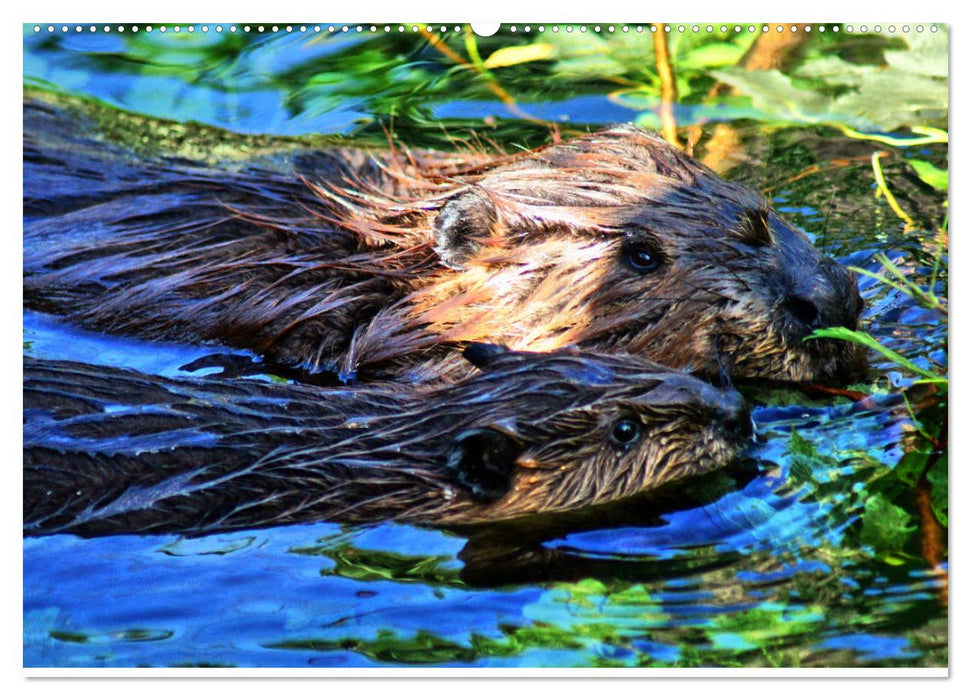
(770, 571)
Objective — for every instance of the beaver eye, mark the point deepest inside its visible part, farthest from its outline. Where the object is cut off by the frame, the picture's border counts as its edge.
(643, 261)
(641, 257)
(625, 432)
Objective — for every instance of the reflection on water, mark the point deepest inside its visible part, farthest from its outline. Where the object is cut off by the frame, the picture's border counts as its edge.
(776, 570)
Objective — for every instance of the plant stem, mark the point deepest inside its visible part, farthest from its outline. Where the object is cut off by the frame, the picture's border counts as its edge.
(882, 189)
(669, 89)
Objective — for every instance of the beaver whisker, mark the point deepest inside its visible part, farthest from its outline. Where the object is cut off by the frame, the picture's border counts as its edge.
(724, 374)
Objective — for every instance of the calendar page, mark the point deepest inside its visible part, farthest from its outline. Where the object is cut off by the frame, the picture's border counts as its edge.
(389, 349)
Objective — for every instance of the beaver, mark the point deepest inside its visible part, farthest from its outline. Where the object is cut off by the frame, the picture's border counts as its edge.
(116, 451)
(386, 264)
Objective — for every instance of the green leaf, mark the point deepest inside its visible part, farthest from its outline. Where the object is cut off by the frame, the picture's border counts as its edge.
(774, 94)
(869, 341)
(801, 470)
(930, 174)
(803, 458)
(887, 527)
(926, 55)
(711, 56)
(929, 135)
(832, 71)
(889, 99)
(798, 445)
(910, 90)
(587, 56)
(910, 467)
(514, 55)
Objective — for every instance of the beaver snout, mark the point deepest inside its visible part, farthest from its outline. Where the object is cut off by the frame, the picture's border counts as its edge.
(828, 298)
(731, 412)
(723, 407)
(738, 421)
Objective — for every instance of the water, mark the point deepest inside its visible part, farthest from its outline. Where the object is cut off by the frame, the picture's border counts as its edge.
(818, 560)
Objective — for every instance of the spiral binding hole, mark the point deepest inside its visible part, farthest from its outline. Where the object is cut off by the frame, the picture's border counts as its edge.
(486, 29)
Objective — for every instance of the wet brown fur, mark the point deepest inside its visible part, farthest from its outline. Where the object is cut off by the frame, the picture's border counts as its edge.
(385, 264)
(112, 450)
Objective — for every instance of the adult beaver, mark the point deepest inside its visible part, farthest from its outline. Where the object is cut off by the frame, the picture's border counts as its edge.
(112, 450)
(383, 265)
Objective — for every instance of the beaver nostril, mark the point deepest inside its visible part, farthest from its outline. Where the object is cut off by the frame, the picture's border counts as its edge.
(803, 310)
(735, 417)
(740, 425)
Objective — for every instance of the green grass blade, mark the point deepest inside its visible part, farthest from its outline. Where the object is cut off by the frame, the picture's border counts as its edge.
(839, 333)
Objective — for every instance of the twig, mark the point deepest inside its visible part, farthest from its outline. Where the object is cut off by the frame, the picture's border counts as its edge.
(669, 90)
(931, 532)
(812, 388)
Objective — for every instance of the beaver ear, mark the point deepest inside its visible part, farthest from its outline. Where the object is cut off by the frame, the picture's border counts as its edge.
(464, 219)
(484, 460)
(754, 226)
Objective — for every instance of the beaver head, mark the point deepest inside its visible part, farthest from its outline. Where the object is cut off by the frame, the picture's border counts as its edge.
(109, 450)
(586, 429)
(618, 241)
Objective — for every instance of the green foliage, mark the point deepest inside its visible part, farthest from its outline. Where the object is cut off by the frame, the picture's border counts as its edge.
(886, 526)
(516, 55)
(803, 460)
(630, 60)
(853, 82)
(899, 281)
(376, 565)
(861, 338)
(930, 174)
(937, 476)
(696, 53)
(910, 90)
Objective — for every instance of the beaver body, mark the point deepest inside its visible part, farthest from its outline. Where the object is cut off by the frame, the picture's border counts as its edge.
(385, 265)
(112, 450)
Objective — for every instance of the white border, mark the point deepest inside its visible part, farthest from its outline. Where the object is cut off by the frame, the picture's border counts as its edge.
(411, 672)
(449, 11)
(889, 30)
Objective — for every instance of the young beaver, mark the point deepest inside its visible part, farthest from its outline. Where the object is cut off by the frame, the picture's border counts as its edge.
(111, 450)
(384, 266)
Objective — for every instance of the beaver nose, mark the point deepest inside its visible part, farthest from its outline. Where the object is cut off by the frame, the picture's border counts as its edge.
(803, 310)
(741, 425)
(725, 408)
(830, 297)
(736, 418)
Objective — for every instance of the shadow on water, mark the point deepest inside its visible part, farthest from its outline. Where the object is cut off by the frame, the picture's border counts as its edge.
(780, 563)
